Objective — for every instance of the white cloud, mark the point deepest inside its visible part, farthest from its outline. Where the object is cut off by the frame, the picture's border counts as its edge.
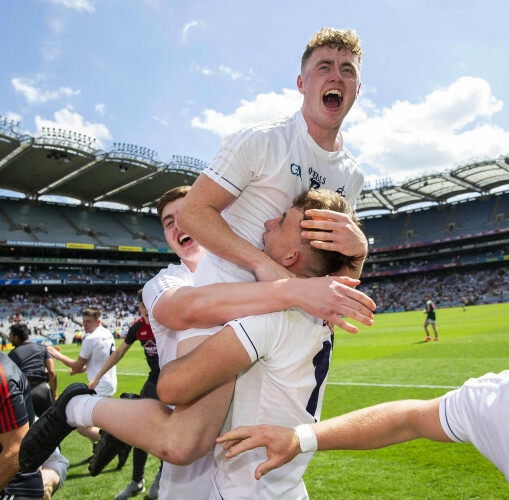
(186, 28)
(264, 107)
(224, 70)
(13, 116)
(35, 95)
(99, 108)
(66, 119)
(161, 120)
(449, 126)
(79, 5)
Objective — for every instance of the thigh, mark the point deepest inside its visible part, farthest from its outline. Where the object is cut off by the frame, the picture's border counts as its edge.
(41, 398)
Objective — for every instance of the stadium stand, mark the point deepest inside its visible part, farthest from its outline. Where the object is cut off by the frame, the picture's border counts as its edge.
(446, 233)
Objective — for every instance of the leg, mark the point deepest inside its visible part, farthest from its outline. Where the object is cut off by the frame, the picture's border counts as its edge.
(41, 398)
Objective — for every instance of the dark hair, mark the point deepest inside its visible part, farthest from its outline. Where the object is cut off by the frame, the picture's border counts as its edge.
(93, 312)
(327, 262)
(20, 330)
(171, 195)
(139, 293)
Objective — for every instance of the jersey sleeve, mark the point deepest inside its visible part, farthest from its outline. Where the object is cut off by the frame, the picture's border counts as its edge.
(86, 348)
(13, 412)
(258, 334)
(131, 334)
(238, 161)
(166, 279)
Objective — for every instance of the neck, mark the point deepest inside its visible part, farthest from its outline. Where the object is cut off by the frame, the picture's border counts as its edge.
(190, 264)
(327, 139)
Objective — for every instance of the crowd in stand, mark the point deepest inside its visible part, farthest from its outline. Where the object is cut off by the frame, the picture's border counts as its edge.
(61, 312)
(448, 288)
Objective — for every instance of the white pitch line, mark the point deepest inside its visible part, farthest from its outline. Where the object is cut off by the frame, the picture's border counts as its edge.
(330, 383)
(396, 385)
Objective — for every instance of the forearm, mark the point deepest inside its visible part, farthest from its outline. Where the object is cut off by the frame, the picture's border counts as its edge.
(115, 357)
(52, 380)
(369, 428)
(206, 225)
(212, 305)
(71, 363)
(9, 466)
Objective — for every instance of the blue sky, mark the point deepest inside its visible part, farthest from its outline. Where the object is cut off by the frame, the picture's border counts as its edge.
(176, 76)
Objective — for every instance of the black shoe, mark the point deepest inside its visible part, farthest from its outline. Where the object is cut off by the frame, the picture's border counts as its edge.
(46, 433)
(123, 455)
(85, 460)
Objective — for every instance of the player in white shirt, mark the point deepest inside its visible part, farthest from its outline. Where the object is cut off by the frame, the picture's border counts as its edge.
(282, 360)
(96, 349)
(191, 431)
(475, 413)
(261, 169)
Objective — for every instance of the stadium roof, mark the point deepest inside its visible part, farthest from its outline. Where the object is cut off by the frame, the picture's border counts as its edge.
(63, 163)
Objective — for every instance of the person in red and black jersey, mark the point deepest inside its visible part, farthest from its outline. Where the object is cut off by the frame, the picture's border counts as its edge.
(140, 330)
(37, 364)
(16, 415)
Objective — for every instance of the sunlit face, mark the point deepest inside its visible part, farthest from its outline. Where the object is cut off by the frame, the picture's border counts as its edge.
(183, 245)
(90, 324)
(330, 81)
(282, 235)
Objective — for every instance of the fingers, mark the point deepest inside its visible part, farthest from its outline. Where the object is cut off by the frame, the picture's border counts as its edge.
(265, 467)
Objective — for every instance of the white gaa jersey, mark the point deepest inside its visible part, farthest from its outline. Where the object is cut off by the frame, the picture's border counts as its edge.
(477, 413)
(195, 480)
(266, 167)
(96, 349)
(290, 351)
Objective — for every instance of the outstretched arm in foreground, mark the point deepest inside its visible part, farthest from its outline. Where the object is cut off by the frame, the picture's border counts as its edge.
(369, 428)
(202, 307)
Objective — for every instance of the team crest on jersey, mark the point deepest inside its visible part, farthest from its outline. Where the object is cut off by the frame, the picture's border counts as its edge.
(316, 181)
(296, 170)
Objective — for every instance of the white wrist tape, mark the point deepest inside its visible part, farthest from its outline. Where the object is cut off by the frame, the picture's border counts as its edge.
(307, 438)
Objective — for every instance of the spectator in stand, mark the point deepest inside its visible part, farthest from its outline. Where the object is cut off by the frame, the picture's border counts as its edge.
(37, 364)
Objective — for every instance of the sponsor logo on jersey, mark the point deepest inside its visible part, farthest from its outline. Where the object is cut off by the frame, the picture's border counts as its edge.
(316, 181)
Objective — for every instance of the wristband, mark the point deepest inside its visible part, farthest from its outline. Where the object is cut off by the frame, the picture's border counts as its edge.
(307, 438)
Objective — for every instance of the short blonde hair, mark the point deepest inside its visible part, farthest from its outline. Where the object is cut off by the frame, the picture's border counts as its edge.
(334, 39)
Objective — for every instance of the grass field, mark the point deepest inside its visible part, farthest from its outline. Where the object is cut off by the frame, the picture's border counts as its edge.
(382, 363)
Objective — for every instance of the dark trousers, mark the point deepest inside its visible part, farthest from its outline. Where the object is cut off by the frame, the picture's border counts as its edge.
(41, 397)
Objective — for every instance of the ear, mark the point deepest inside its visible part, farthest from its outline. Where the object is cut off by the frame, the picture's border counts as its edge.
(300, 85)
(290, 260)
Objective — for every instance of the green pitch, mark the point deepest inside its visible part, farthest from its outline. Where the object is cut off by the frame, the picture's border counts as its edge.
(382, 363)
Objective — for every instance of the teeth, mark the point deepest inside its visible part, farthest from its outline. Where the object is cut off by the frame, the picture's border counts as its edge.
(182, 238)
(334, 92)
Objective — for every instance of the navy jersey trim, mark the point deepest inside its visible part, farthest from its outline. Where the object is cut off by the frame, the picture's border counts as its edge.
(447, 420)
(249, 338)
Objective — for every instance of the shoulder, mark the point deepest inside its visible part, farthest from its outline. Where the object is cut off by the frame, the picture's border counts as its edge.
(262, 132)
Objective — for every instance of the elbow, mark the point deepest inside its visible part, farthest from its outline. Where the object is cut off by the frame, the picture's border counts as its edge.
(184, 451)
(171, 392)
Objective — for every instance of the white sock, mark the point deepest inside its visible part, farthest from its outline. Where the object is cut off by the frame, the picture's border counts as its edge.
(78, 411)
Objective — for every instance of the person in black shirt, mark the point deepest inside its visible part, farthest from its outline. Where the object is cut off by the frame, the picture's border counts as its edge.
(140, 330)
(37, 364)
(16, 415)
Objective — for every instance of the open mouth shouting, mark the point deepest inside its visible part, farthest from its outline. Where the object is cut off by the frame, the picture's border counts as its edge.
(332, 99)
(184, 239)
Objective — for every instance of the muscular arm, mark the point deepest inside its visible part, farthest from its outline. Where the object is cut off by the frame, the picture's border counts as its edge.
(369, 428)
(213, 362)
(114, 358)
(207, 306)
(200, 216)
(52, 377)
(9, 465)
